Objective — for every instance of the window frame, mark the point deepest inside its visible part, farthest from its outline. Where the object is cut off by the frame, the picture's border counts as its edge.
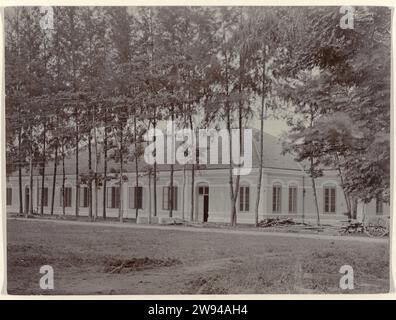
(166, 199)
(113, 200)
(276, 198)
(68, 196)
(84, 197)
(327, 192)
(293, 199)
(9, 196)
(45, 196)
(132, 197)
(244, 198)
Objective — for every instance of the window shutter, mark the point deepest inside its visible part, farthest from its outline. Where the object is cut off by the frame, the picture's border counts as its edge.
(277, 199)
(241, 195)
(138, 198)
(9, 196)
(274, 199)
(117, 197)
(174, 203)
(109, 198)
(165, 198)
(82, 195)
(247, 198)
(45, 197)
(326, 200)
(131, 197)
(333, 199)
(69, 196)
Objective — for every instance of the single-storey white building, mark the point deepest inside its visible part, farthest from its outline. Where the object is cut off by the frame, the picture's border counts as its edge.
(286, 190)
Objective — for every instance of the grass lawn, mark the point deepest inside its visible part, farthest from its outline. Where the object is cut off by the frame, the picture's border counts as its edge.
(108, 260)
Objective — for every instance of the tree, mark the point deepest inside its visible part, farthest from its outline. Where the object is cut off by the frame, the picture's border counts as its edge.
(71, 35)
(264, 43)
(93, 72)
(32, 84)
(357, 64)
(309, 105)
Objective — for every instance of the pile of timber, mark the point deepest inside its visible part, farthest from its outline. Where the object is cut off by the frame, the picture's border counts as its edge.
(352, 227)
(276, 222)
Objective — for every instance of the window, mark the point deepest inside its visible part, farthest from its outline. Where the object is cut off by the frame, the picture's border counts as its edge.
(84, 197)
(9, 196)
(203, 190)
(379, 207)
(68, 197)
(292, 199)
(244, 199)
(329, 199)
(167, 204)
(113, 197)
(276, 198)
(45, 196)
(136, 197)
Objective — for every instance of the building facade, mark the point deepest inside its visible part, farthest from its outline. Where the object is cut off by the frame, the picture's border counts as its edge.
(286, 191)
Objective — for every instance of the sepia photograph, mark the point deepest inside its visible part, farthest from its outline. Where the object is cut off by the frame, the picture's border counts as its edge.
(197, 150)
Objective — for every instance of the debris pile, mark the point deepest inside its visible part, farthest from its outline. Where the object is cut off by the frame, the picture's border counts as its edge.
(353, 227)
(276, 222)
(137, 264)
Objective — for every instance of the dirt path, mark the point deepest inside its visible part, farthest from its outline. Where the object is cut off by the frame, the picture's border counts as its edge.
(214, 230)
(184, 279)
(201, 260)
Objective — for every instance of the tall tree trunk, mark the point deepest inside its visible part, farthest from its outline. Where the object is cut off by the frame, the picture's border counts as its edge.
(63, 179)
(230, 168)
(20, 172)
(38, 194)
(240, 126)
(105, 167)
(171, 191)
(137, 147)
(31, 173)
(240, 105)
(238, 177)
(155, 168)
(192, 172)
(150, 195)
(262, 111)
(74, 83)
(184, 190)
(54, 177)
(230, 177)
(315, 194)
(96, 166)
(348, 203)
(77, 203)
(90, 180)
(43, 171)
(303, 200)
(120, 205)
(172, 169)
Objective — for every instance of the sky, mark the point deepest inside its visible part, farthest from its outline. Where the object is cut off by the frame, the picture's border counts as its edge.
(272, 126)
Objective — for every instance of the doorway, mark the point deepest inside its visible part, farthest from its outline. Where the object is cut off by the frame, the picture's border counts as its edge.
(203, 203)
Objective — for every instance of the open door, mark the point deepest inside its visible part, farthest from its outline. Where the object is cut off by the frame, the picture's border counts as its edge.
(203, 203)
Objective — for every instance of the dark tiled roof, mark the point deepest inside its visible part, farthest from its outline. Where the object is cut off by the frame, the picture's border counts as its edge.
(273, 158)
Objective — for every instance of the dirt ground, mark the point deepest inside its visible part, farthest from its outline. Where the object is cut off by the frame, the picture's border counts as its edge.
(108, 260)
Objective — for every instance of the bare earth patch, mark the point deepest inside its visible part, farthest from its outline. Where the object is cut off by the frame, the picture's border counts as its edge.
(137, 264)
(109, 260)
